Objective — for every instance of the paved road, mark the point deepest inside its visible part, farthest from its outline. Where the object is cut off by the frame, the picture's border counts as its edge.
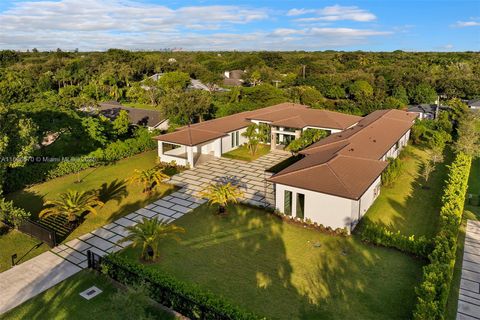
(469, 295)
(34, 276)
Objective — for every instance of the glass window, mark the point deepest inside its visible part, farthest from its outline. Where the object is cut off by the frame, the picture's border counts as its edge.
(300, 205)
(237, 138)
(232, 136)
(287, 209)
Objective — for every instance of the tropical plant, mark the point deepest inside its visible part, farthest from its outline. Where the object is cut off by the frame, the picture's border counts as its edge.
(149, 178)
(72, 205)
(10, 214)
(252, 135)
(221, 194)
(148, 233)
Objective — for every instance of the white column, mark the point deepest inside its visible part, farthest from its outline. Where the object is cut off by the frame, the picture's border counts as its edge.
(190, 159)
(298, 133)
(273, 141)
(217, 147)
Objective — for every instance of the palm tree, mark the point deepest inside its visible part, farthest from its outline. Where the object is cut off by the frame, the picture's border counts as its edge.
(221, 194)
(148, 234)
(253, 138)
(149, 178)
(72, 204)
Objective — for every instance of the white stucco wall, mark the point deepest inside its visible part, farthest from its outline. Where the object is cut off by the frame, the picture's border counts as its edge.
(359, 208)
(331, 211)
(393, 152)
(227, 140)
(167, 158)
(161, 126)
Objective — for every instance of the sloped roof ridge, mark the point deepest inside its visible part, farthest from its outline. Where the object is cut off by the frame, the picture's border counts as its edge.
(339, 179)
(357, 131)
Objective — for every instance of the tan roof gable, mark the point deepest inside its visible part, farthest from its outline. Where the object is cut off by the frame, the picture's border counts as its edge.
(345, 164)
(291, 114)
(341, 176)
(300, 116)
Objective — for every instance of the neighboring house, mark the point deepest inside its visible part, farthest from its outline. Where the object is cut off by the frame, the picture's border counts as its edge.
(233, 78)
(340, 176)
(474, 104)
(194, 84)
(150, 119)
(215, 137)
(426, 111)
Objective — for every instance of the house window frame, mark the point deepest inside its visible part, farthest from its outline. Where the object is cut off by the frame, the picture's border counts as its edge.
(300, 205)
(287, 206)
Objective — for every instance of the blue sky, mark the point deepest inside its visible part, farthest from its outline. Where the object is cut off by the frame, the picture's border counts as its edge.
(240, 25)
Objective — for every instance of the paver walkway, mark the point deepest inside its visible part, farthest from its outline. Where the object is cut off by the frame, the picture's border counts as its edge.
(469, 295)
(34, 276)
(249, 176)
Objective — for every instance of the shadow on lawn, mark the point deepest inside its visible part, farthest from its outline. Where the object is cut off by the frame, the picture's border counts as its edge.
(420, 212)
(253, 259)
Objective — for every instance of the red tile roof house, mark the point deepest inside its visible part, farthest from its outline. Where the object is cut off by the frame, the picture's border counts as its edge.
(215, 137)
(339, 177)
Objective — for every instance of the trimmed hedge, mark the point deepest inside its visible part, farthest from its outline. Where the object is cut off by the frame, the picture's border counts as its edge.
(432, 294)
(378, 235)
(18, 178)
(188, 299)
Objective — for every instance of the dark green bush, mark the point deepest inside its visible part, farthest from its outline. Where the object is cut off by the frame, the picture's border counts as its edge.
(432, 294)
(392, 172)
(378, 235)
(188, 299)
(18, 178)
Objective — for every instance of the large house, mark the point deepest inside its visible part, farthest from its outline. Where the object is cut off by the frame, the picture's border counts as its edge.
(190, 144)
(339, 178)
(151, 119)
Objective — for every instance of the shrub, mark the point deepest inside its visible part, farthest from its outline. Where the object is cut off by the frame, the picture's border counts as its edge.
(11, 215)
(188, 299)
(392, 172)
(18, 178)
(432, 294)
(378, 235)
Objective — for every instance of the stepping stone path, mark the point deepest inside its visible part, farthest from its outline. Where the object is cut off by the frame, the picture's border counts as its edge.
(36, 275)
(469, 295)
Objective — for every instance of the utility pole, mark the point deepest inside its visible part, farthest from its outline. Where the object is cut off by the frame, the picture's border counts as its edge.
(303, 70)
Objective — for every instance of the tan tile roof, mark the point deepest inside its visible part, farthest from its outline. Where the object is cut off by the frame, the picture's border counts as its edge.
(299, 117)
(289, 114)
(341, 176)
(345, 164)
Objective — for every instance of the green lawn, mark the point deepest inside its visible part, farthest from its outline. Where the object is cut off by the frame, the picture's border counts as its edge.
(470, 213)
(242, 153)
(406, 205)
(64, 302)
(32, 200)
(285, 271)
(15, 242)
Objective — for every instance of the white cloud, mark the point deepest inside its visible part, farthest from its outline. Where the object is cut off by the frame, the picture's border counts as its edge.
(334, 13)
(299, 12)
(463, 24)
(99, 25)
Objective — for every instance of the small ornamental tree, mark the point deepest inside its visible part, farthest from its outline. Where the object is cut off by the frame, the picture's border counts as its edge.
(221, 194)
(149, 178)
(149, 233)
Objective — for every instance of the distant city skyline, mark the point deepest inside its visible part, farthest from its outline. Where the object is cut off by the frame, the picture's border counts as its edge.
(89, 25)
